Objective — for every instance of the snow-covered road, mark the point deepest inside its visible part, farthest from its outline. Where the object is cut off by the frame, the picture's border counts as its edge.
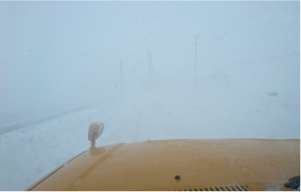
(140, 114)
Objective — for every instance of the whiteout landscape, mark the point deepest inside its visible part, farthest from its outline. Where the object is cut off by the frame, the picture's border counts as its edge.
(147, 70)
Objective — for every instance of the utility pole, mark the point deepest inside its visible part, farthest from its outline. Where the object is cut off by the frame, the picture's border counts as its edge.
(195, 58)
(121, 75)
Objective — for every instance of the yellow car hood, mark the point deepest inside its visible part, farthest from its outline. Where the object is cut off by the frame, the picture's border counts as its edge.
(207, 164)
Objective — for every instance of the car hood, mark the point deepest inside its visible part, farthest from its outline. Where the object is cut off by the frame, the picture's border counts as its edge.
(202, 164)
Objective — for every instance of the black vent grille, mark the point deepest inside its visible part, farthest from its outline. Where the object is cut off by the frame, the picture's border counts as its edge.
(233, 187)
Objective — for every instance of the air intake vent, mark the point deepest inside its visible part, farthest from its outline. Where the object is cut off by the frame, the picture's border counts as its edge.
(234, 187)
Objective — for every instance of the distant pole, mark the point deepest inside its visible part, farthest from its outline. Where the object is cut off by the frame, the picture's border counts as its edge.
(195, 58)
(121, 75)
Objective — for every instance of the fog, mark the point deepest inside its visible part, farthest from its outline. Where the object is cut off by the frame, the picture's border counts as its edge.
(148, 70)
(57, 57)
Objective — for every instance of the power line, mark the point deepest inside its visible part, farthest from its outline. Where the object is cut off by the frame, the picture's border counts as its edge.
(242, 29)
(256, 25)
(244, 19)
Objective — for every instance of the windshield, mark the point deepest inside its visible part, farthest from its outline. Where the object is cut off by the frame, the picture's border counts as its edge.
(147, 70)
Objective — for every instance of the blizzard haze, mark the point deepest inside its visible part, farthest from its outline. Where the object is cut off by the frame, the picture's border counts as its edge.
(190, 70)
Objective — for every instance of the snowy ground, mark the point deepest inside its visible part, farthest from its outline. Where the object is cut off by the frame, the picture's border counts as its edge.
(151, 112)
